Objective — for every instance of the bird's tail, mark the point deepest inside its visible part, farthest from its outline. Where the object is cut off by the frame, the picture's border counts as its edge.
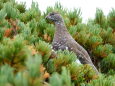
(97, 72)
(87, 60)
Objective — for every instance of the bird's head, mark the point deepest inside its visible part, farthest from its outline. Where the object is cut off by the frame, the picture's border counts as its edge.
(54, 17)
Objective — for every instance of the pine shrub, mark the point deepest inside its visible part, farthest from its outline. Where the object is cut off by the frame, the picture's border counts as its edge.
(26, 52)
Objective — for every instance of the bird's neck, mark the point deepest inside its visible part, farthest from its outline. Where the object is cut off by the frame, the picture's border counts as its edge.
(60, 27)
(61, 32)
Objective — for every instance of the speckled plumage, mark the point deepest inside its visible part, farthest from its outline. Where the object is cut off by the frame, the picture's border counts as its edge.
(63, 40)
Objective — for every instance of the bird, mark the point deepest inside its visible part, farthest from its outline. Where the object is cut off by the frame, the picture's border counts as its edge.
(64, 41)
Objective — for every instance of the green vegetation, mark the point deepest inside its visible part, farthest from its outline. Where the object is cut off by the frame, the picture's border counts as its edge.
(26, 53)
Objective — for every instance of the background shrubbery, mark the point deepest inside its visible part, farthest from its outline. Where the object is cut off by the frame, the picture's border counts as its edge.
(25, 47)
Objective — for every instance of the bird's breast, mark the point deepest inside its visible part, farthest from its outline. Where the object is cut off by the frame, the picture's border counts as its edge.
(60, 45)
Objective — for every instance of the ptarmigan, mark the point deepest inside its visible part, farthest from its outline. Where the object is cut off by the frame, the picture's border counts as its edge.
(64, 41)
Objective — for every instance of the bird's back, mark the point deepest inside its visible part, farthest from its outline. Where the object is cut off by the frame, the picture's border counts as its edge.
(78, 50)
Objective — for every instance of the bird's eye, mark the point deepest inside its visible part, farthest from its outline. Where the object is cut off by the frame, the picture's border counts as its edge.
(52, 14)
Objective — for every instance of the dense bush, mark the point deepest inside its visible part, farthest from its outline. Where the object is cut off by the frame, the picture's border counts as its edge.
(26, 54)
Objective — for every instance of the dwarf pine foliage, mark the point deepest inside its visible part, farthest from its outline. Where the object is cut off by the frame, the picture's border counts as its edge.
(26, 57)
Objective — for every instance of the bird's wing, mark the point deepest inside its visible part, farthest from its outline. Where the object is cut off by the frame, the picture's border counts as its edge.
(81, 54)
(79, 51)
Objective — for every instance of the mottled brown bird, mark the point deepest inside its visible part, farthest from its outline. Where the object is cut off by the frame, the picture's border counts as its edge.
(64, 41)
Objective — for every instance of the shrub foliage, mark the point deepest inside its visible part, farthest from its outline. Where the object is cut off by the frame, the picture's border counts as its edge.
(26, 53)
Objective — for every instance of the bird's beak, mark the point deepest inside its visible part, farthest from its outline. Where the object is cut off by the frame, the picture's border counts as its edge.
(46, 17)
(49, 19)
